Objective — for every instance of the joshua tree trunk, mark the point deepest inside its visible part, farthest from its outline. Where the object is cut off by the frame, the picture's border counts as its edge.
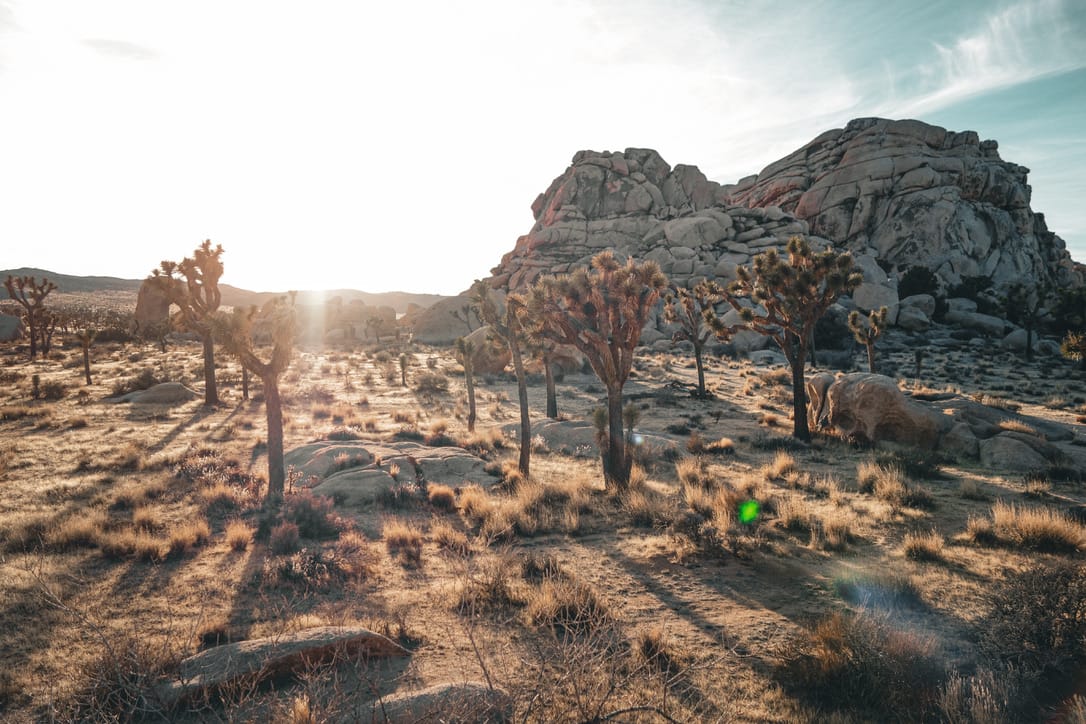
(86, 363)
(469, 379)
(871, 356)
(616, 471)
(522, 394)
(244, 383)
(211, 390)
(800, 430)
(276, 470)
(1029, 342)
(701, 368)
(552, 397)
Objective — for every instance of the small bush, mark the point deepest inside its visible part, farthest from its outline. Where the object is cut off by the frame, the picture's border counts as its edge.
(880, 590)
(238, 535)
(488, 586)
(656, 650)
(1041, 529)
(431, 383)
(441, 497)
(923, 546)
(284, 538)
(187, 536)
(312, 514)
(859, 662)
(782, 464)
(404, 542)
(79, 531)
(567, 607)
(447, 537)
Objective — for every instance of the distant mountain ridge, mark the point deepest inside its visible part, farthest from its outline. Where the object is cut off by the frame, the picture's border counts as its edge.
(231, 296)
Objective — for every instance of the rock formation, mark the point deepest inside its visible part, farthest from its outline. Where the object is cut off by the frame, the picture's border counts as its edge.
(899, 194)
(152, 306)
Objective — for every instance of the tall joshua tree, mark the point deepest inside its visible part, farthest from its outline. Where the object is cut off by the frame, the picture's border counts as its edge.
(30, 295)
(235, 332)
(687, 308)
(867, 330)
(465, 352)
(1026, 304)
(601, 313)
(791, 294)
(193, 285)
(506, 326)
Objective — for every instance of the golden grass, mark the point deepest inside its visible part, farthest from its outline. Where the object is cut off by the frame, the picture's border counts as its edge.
(403, 541)
(441, 496)
(188, 535)
(1042, 529)
(568, 606)
(78, 531)
(782, 465)
(238, 535)
(794, 515)
(448, 537)
(923, 546)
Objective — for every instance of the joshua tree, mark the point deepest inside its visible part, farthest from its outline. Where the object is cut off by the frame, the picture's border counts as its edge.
(235, 332)
(687, 307)
(405, 362)
(86, 339)
(601, 313)
(465, 350)
(193, 285)
(1026, 304)
(506, 326)
(791, 295)
(867, 329)
(30, 295)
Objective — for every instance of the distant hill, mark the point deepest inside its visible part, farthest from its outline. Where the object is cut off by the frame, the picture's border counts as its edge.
(231, 296)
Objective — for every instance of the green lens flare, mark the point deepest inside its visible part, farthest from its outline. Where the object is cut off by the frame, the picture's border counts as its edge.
(748, 511)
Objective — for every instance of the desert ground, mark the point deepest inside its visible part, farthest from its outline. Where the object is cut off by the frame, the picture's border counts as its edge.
(870, 584)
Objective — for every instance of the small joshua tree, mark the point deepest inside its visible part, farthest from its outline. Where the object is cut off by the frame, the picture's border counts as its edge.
(30, 294)
(867, 329)
(405, 362)
(687, 308)
(235, 332)
(1026, 304)
(465, 351)
(193, 285)
(791, 294)
(601, 313)
(86, 339)
(506, 326)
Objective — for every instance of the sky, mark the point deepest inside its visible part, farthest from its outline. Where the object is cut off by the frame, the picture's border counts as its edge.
(398, 146)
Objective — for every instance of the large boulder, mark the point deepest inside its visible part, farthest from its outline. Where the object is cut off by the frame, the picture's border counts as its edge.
(1006, 452)
(469, 701)
(489, 357)
(209, 672)
(152, 304)
(165, 393)
(872, 408)
(11, 328)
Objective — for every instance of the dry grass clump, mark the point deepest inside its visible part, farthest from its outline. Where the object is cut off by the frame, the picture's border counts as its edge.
(449, 538)
(145, 518)
(970, 490)
(441, 496)
(1017, 426)
(782, 465)
(475, 504)
(127, 542)
(923, 546)
(403, 541)
(1041, 529)
(218, 497)
(656, 649)
(832, 531)
(187, 536)
(284, 537)
(794, 515)
(77, 531)
(881, 589)
(567, 607)
(693, 471)
(890, 485)
(647, 508)
(1036, 485)
(860, 662)
(488, 585)
(354, 557)
(238, 535)
(313, 514)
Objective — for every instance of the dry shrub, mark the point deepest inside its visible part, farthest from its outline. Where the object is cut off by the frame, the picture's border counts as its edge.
(121, 682)
(441, 496)
(475, 504)
(692, 471)
(404, 542)
(313, 514)
(861, 663)
(985, 697)
(78, 531)
(355, 557)
(782, 465)
(145, 518)
(284, 537)
(448, 537)
(1038, 618)
(881, 589)
(1017, 426)
(647, 508)
(890, 485)
(218, 497)
(567, 607)
(832, 531)
(769, 419)
(970, 490)
(239, 535)
(487, 585)
(794, 515)
(923, 546)
(127, 542)
(187, 536)
(1042, 529)
(1036, 485)
(656, 649)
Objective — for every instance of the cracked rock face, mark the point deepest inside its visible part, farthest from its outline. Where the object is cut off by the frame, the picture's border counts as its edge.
(903, 193)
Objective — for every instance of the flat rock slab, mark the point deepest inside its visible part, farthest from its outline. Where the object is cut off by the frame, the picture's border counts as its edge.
(465, 702)
(208, 671)
(166, 393)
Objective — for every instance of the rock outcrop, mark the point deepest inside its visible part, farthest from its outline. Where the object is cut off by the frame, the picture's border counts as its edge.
(11, 328)
(914, 194)
(152, 306)
(898, 194)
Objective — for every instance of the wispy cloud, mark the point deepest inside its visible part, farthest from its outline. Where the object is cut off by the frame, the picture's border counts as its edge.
(120, 48)
(1021, 43)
